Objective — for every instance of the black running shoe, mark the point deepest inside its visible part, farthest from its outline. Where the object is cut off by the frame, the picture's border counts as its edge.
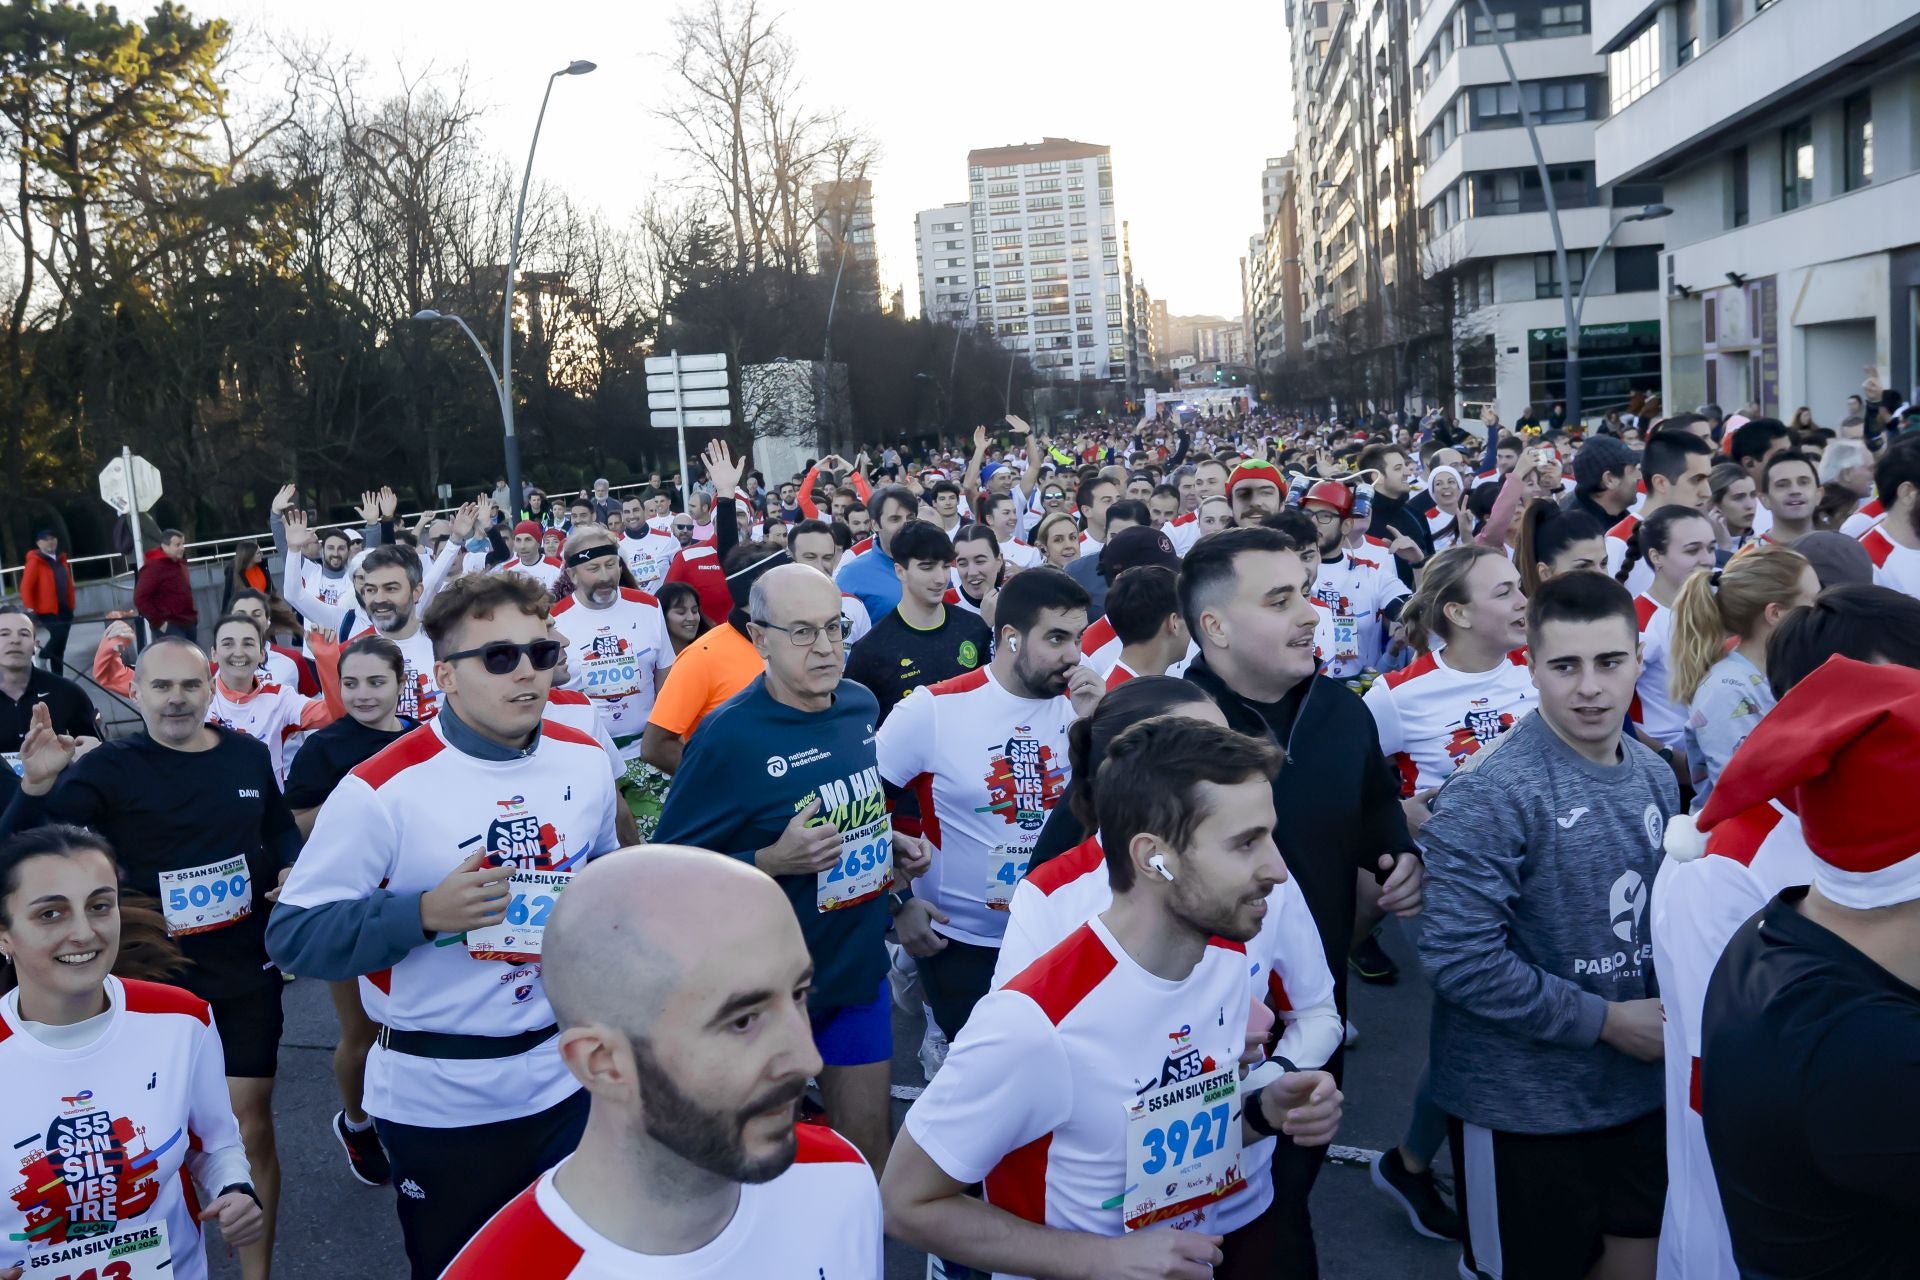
(1371, 961)
(1415, 1192)
(366, 1158)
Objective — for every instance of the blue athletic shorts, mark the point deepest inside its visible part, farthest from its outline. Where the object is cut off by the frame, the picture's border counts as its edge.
(852, 1035)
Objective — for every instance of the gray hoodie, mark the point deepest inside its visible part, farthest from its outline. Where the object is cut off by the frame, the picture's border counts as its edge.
(1539, 863)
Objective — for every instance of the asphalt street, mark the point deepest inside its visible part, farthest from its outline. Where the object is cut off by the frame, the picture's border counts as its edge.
(331, 1226)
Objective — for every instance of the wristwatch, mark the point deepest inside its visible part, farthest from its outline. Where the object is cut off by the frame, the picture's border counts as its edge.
(245, 1189)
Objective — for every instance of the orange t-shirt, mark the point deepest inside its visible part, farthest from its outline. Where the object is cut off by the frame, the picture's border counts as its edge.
(709, 671)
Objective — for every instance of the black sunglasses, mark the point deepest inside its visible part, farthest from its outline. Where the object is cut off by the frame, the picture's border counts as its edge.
(503, 658)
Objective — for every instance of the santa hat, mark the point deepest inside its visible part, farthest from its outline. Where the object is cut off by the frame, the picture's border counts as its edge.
(1254, 469)
(1829, 751)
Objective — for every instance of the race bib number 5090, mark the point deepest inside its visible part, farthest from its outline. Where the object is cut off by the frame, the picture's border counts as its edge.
(202, 899)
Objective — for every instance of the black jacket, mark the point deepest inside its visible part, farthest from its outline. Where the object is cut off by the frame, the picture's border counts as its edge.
(1337, 801)
(1397, 515)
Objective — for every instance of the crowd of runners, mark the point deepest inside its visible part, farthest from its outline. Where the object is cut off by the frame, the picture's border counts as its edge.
(620, 825)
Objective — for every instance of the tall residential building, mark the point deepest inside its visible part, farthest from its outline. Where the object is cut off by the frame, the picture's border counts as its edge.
(1786, 137)
(940, 244)
(1046, 238)
(843, 217)
(1485, 218)
(1273, 273)
(1355, 188)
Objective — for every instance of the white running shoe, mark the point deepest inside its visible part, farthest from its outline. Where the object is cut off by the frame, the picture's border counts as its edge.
(933, 1050)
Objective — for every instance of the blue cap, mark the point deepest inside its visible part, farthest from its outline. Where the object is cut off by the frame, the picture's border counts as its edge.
(986, 472)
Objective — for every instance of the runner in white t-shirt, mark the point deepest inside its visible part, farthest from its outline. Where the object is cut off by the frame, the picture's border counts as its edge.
(1462, 694)
(696, 1048)
(1677, 540)
(985, 755)
(271, 713)
(530, 559)
(116, 1097)
(618, 647)
(1099, 1095)
(1363, 594)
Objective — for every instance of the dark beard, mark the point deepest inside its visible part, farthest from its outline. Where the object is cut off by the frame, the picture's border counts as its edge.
(706, 1139)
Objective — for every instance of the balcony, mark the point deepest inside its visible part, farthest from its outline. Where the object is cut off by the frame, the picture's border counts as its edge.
(1793, 48)
(1479, 64)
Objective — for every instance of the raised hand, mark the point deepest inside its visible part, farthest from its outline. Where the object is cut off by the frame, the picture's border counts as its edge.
(979, 441)
(389, 503)
(296, 522)
(722, 469)
(369, 506)
(283, 499)
(43, 752)
(464, 520)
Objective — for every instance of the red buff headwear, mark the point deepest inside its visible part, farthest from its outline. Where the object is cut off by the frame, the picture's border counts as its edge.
(1835, 750)
(1254, 469)
(529, 528)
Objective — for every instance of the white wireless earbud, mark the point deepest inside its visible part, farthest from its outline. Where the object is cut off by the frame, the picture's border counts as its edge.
(1013, 643)
(1159, 863)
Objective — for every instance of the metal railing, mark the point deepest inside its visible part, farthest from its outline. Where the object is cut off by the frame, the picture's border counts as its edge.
(112, 565)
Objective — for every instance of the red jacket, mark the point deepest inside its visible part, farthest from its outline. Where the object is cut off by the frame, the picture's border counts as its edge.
(38, 591)
(163, 591)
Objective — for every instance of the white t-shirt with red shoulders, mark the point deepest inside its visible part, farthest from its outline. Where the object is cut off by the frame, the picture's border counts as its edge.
(1697, 906)
(546, 571)
(1617, 543)
(1866, 518)
(647, 557)
(1653, 706)
(1357, 592)
(1431, 717)
(820, 1218)
(1100, 645)
(987, 766)
(1893, 565)
(110, 1137)
(1033, 1099)
(613, 655)
(1183, 531)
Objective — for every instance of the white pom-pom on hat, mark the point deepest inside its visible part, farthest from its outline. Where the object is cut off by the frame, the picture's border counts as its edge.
(1683, 841)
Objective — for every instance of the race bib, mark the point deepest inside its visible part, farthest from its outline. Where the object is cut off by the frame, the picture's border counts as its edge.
(203, 899)
(517, 938)
(13, 763)
(1183, 1148)
(865, 867)
(131, 1253)
(1006, 864)
(1346, 636)
(612, 677)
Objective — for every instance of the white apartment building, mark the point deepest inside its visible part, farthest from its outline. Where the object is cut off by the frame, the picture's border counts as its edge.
(1786, 134)
(1483, 213)
(942, 244)
(1047, 241)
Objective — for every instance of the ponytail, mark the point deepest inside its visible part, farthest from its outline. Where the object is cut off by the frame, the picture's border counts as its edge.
(1444, 582)
(1716, 605)
(1699, 635)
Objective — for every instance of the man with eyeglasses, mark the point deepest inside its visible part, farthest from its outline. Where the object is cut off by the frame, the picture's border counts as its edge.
(1362, 595)
(429, 876)
(786, 776)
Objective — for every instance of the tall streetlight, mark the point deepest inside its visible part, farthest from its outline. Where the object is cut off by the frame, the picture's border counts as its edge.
(1570, 308)
(493, 374)
(578, 67)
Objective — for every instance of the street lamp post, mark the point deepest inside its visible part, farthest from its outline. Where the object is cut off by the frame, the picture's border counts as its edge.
(578, 67)
(1647, 214)
(493, 374)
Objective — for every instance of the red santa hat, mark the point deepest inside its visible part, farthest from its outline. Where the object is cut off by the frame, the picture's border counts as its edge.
(1830, 751)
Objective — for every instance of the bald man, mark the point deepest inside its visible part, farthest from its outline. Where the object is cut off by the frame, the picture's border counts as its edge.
(680, 980)
(785, 776)
(189, 806)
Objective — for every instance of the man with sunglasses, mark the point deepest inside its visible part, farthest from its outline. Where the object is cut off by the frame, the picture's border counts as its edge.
(786, 776)
(429, 876)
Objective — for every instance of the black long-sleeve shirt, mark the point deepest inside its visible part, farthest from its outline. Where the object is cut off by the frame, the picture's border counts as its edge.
(168, 810)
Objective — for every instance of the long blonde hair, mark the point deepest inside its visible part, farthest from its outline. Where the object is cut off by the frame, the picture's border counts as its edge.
(1046, 526)
(1443, 582)
(1714, 604)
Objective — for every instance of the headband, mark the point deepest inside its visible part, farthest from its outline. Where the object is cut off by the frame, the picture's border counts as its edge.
(591, 553)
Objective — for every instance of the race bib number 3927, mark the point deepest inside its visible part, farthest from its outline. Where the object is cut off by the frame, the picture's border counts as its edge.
(202, 899)
(1183, 1148)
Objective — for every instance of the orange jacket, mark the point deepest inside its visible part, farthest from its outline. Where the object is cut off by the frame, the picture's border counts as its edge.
(37, 591)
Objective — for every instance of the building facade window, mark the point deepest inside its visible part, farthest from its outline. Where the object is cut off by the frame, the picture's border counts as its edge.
(1796, 165)
(1686, 33)
(1738, 208)
(1858, 112)
(1726, 18)
(1524, 20)
(1497, 106)
(1546, 282)
(1518, 190)
(1634, 67)
(1636, 268)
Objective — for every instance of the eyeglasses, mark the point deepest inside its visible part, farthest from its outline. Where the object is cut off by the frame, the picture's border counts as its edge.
(1325, 517)
(1053, 497)
(683, 528)
(502, 657)
(803, 634)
